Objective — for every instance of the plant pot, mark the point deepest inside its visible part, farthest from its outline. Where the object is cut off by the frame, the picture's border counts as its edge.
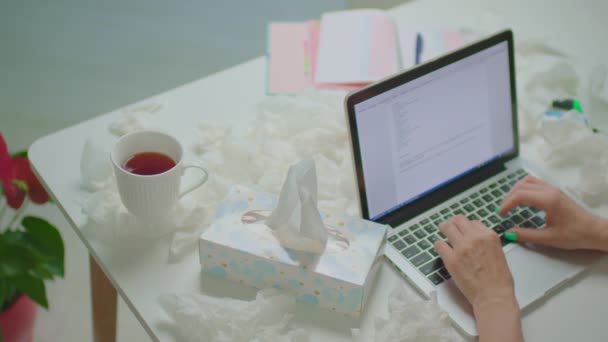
(17, 322)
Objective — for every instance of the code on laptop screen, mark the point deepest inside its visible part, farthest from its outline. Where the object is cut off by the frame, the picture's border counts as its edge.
(434, 129)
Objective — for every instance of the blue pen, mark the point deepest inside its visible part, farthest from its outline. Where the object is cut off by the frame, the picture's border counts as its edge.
(419, 45)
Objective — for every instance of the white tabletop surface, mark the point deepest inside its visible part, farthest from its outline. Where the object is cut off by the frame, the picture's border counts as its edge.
(141, 272)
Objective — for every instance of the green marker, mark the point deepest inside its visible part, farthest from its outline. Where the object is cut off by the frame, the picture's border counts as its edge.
(511, 236)
(568, 104)
(576, 105)
(497, 210)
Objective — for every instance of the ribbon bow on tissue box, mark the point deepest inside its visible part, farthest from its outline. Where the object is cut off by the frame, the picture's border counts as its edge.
(332, 268)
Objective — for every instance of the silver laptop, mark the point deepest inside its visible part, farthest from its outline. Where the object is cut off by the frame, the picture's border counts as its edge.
(441, 140)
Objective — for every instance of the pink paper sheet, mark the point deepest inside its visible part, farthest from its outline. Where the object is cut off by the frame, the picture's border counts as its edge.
(292, 59)
(383, 49)
(289, 58)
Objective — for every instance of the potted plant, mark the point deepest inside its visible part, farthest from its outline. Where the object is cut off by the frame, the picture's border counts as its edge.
(31, 249)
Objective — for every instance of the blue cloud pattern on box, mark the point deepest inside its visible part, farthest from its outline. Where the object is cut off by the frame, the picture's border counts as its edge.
(240, 247)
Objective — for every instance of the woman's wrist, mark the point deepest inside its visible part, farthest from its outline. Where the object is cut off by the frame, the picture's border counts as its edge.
(498, 319)
(600, 228)
(505, 302)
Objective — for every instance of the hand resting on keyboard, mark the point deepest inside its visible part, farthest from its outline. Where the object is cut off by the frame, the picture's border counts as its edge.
(474, 257)
(568, 226)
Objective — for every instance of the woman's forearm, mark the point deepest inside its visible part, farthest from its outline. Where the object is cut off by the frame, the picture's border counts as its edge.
(499, 320)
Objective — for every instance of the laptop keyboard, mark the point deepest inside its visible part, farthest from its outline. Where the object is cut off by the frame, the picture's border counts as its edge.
(416, 241)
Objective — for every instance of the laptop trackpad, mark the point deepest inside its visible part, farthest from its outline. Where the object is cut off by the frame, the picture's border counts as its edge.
(538, 269)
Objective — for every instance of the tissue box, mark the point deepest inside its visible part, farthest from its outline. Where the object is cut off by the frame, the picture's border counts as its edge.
(240, 247)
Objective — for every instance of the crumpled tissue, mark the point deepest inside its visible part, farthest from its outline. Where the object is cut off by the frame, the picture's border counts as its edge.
(410, 319)
(199, 317)
(597, 102)
(559, 81)
(209, 136)
(567, 141)
(137, 117)
(570, 142)
(95, 170)
(562, 136)
(296, 221)
(108, 219)
(592, 186)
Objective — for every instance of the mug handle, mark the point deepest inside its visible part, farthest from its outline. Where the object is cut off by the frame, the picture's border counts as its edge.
(197, 184)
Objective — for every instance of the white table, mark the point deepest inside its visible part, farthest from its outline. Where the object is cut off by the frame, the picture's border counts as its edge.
(141, 273)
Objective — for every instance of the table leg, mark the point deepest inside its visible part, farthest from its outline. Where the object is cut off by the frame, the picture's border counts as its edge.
(104, 304)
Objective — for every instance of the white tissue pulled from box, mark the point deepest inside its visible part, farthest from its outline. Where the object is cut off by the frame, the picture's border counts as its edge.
(296, 221)
(410, 319)
(214, 319)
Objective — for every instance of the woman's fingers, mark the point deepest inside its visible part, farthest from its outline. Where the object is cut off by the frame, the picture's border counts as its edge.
(533, 198)
(450, 230)
(446, 253)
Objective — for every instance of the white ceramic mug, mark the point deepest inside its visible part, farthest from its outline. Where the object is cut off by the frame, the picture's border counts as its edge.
(151, 197)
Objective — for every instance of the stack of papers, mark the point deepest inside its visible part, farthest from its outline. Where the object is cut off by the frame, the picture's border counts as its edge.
(347, 50)
(356, 47)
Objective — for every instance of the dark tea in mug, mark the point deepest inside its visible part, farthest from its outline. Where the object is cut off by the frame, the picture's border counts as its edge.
(148, 163)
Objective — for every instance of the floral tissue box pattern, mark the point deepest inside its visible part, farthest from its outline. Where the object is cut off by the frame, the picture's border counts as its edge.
(240, 247)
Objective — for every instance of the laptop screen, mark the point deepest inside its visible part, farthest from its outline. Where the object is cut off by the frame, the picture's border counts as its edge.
(426, 133)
